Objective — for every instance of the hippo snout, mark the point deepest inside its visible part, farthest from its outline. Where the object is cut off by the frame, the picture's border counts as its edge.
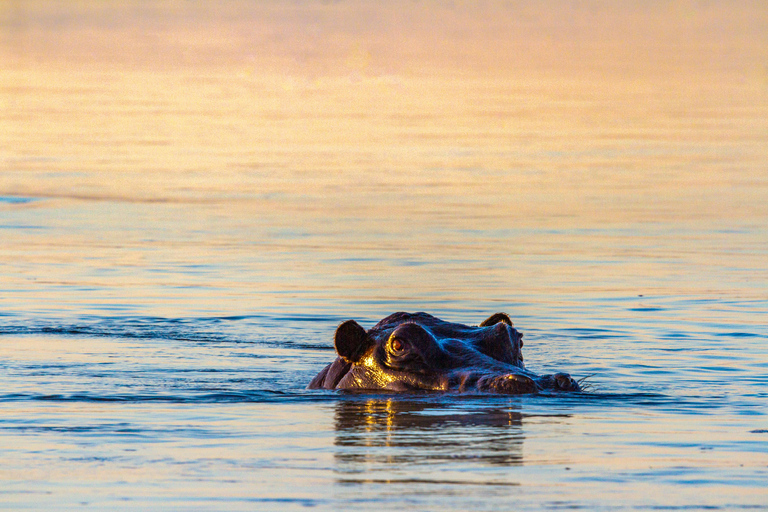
(513, 383)
(509, 383)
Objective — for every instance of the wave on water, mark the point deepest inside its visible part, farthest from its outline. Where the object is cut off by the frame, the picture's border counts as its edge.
(137, 331)
(260, 329)
(256, 396)
(16, 199)
(542, 403)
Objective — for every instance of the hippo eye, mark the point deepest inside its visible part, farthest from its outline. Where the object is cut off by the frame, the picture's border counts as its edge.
(397, 346)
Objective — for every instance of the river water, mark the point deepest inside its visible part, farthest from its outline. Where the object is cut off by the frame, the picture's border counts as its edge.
(193, 196)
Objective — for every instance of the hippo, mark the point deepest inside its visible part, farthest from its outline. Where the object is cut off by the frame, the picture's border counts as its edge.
(417, 351)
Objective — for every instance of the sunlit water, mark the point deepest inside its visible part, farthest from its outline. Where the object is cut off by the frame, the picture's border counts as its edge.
(192, 199)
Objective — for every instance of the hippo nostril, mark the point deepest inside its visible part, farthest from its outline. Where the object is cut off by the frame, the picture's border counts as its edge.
(564, 382)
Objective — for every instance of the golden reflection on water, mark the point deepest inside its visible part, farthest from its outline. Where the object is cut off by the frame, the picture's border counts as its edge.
(377, 432)
(599, 114)
(361, 139)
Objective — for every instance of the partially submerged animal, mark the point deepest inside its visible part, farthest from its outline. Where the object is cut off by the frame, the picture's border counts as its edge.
(416, 351)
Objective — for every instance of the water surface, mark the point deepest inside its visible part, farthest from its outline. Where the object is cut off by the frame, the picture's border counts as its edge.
(192, 198)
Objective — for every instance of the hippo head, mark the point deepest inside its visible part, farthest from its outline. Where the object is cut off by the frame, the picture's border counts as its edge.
(406, 352)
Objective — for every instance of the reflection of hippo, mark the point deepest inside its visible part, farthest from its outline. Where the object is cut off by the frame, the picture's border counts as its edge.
(406, 352)
(380, 431)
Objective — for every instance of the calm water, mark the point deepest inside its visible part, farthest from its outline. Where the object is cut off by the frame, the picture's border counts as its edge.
(193, 198)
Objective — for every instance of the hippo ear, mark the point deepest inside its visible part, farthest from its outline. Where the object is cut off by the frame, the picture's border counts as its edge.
(351, 341)
(497, 318)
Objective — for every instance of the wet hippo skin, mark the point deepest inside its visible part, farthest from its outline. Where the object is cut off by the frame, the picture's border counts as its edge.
(417, 351)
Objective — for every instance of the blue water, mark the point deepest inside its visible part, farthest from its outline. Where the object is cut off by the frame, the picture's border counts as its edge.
(117, 411)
